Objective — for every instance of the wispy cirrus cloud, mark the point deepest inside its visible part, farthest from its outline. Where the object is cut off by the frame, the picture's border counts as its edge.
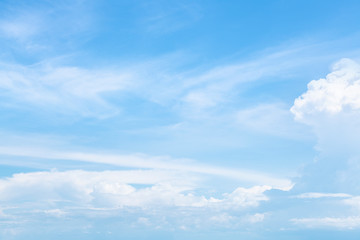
(191, 92)
(27, 29)
(21, 27)
(329, 222)
(68, 87)
(64, 89)
(167, 17)
(148, 162)
(322, 195)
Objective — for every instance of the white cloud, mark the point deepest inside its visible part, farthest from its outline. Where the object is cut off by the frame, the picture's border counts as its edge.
(63, 89)
(74, 89)
(247, 197)
(339, 91)
(323, 195)
(331, 106)
(163, 80)
(329, 222)
(221, 84)
(148, 162)
(236, 221)
(257, 217)
(51, 191)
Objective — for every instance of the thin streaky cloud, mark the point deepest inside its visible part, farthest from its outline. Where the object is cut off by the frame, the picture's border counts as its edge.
(141, 161)
(323, 195)
(352, 222)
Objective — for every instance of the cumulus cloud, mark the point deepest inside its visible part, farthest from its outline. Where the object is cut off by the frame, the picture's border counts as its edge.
(51, 191)
(339, 91)
(146, 198)
(247, 196)
(331, 107)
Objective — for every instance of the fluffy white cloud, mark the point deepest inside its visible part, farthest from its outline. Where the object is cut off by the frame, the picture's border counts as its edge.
(117, 189)
(246, 196)
(339, 91)
(331, 106)
(143, 198)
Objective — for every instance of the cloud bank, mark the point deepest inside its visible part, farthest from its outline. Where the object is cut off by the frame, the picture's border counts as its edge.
(117, 189)
(331, 106)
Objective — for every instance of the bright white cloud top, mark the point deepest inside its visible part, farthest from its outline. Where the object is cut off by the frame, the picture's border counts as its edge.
(338, 92)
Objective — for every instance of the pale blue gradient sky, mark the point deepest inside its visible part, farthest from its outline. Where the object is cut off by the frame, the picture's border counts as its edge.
(179, 119)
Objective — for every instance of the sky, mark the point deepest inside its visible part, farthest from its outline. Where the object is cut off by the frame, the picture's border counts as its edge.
(179, 119)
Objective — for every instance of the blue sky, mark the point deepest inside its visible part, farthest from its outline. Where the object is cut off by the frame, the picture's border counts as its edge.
(179, 119)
